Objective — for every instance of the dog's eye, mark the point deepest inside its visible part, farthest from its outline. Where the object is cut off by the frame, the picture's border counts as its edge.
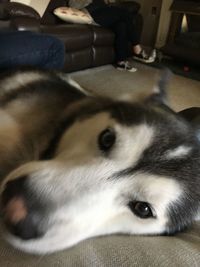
(106, 139)
(141, 209)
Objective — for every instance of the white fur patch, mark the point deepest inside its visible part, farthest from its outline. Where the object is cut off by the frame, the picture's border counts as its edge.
(20, 79)
(82, 137)
(178, 152)
(158, 191)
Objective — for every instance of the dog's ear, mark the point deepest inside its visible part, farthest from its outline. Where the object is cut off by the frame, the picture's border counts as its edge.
(159, 95)
(192, 115)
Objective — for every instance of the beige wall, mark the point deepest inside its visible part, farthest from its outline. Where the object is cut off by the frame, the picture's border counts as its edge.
(164, 23)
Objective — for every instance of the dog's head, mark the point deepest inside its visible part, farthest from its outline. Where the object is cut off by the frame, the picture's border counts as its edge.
(117, 167)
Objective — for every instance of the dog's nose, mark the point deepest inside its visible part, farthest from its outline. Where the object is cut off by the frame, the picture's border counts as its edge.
(18, 216)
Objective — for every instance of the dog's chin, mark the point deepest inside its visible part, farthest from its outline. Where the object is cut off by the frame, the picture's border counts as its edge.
(51, 242)
(63, 236)
(37, 247)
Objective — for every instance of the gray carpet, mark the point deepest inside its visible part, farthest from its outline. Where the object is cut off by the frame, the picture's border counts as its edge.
(108, 81)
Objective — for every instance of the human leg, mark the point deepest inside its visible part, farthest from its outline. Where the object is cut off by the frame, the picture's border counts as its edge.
(30, 49)
(133, 35)
(110, 17)
(121, 41)
(121, 47)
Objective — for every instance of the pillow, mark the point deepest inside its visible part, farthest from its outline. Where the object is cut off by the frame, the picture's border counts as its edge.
(73, 15)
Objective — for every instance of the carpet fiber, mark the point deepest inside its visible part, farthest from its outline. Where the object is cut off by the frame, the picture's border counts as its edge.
(108, 81)
(187, 70)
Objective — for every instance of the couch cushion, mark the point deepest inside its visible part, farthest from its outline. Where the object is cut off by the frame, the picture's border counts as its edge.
(74, 36)
(78, 60)
(102, 36)
(103, 55)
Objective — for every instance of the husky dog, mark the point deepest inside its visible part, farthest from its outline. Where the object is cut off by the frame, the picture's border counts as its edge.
(74, 166)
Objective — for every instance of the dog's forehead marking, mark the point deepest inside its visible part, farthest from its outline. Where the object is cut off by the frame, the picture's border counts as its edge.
(78, 136)
(131, 141)
(178, 152)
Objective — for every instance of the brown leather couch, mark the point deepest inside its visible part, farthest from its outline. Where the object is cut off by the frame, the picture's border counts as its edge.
(86, 45)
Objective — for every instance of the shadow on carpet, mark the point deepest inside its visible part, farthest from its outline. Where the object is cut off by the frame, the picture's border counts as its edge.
(179, 68)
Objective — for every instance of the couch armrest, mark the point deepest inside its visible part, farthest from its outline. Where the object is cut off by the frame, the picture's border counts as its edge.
(12, 10)
(132, 6)
(25, 24)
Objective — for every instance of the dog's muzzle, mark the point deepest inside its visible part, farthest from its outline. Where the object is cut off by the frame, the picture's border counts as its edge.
(20, 213)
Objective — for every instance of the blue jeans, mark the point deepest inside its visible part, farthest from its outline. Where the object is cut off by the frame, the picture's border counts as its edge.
(25, 48)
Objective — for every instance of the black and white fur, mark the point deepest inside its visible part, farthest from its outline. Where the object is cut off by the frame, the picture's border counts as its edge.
(86, 166)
